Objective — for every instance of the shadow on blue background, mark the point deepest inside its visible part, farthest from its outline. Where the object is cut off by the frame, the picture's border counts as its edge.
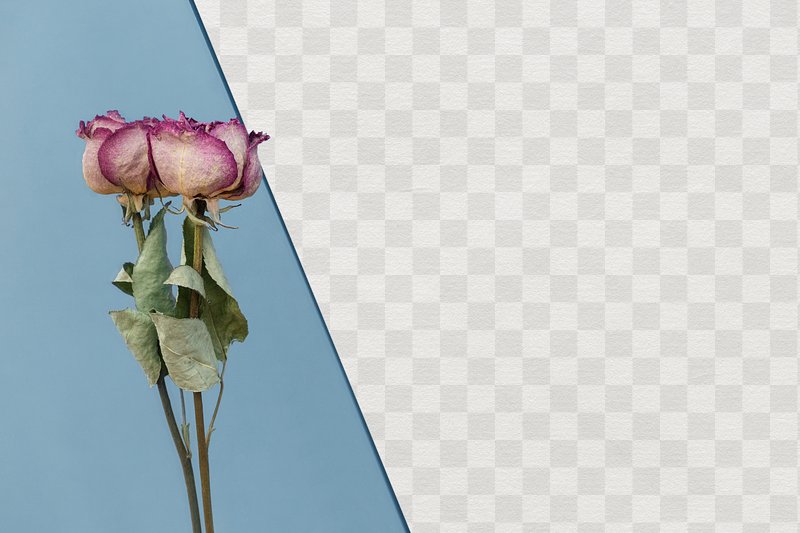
(83, 444)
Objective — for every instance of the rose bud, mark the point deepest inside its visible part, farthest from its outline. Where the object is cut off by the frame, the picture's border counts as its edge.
(206, 160)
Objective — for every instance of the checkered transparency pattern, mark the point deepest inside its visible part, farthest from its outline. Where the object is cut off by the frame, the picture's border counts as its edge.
(555, 244)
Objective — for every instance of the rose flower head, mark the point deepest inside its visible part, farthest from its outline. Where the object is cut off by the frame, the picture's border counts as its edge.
(207, 161)
(117, 159)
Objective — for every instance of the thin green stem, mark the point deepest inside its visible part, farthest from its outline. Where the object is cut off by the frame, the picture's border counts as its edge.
(202, 459)
(183, 452)
(219, 399)
(199, 421)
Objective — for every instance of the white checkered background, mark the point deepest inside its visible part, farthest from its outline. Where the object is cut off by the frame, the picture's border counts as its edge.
(555, 243)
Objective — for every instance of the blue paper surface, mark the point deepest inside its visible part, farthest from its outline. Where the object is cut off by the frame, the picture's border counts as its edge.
(83, 444)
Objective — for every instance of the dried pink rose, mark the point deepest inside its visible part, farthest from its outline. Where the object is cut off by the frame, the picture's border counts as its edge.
(117, 158)
(209, 161)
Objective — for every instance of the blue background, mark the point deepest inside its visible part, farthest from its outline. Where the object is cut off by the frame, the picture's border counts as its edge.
(83, 444)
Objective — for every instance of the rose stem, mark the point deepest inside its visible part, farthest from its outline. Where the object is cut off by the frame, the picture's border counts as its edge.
(199, 421)
(216, 407)
(183, 455)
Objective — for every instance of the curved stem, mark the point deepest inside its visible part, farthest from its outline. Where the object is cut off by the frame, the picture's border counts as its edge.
(183, 452)
(199, 421)
(183, 455)
(216, 407)
(202, 459)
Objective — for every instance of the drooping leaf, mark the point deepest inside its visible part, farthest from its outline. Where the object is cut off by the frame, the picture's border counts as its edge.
(187, 251)
(124, 281)
(152, 269)
(186, 276)
(188, 352)
(213, 265)
(220, 311)
(187, 259)
(142, 340)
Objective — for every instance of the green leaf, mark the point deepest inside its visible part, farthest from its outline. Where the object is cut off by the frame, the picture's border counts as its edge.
(188, 352)
(187, 251)
(186, 276)
(152, 269)
(223, 318)
(124, 281)
(187, 259)
(220, 311)
(140, 335)
(213, 265)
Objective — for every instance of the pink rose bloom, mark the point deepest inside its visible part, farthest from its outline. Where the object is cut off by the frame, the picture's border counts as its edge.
(208, 161)
(117, 158)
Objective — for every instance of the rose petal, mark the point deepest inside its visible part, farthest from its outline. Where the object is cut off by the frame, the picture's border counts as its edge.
(111, 121)
(251, 177)
(191, 163)
(91, 166)
(235, 137)
(124, 158)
